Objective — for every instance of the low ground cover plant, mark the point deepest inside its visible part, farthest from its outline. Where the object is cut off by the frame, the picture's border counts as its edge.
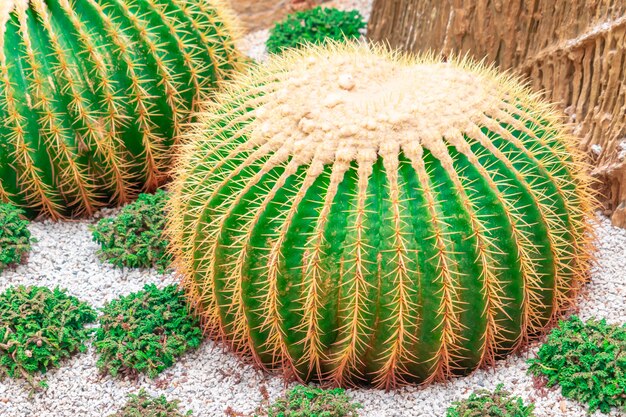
(15, 238)
(38, 328)
(316, 25)
(144, 332)
(144, 405)
(588, 361)
(135, 237)
(485, 403)
(305, 401)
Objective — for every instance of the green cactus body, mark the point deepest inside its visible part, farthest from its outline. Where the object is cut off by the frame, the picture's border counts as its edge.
(93, 93)
(348, 215)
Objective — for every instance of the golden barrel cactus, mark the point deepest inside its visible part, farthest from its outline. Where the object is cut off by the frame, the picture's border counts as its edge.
(93, 93)
(348, 215)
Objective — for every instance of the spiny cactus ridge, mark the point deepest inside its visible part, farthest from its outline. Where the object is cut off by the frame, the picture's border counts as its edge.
(350, 215)
(93, 93)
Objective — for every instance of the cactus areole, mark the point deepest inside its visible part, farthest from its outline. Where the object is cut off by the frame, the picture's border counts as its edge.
(93, 93)
(351, 216)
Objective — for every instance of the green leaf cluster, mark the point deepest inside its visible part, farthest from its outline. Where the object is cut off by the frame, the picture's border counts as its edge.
(588, 361)
(316, 26)
(15, 237)
(144, 405)
(135, 238)
(145, 332)
(38, 328)
(484, 403)
(305, 401)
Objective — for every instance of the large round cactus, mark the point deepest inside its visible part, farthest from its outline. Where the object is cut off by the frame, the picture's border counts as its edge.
(92, 93)
(348, 215)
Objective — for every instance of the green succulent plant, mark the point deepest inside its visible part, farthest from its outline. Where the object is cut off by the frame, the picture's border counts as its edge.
(145, 332)
(588, 361)
(15, 237)
(484, 403)
(305, 401)
(144, 405)
(349, 215)
(135, 237)
(93, 95)
(39, 328)
(317, 25)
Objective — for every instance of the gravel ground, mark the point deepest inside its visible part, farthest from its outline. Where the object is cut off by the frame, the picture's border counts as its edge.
(210, 381)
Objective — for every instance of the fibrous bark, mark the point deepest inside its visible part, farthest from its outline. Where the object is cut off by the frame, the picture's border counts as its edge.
(575, 50)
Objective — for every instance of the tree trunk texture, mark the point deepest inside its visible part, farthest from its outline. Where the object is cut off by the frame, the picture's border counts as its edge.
(574, 50)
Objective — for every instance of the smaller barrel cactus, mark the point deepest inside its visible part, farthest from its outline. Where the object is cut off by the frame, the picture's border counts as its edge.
(350, 215)
(93, 94)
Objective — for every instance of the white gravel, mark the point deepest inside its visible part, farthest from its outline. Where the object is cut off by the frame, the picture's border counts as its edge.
(210, 380)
